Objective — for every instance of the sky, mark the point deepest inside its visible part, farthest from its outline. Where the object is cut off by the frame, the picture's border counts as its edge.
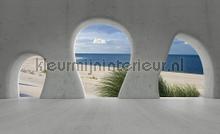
(100, 38)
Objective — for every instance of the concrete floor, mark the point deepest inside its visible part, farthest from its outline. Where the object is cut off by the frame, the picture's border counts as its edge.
(110, 116)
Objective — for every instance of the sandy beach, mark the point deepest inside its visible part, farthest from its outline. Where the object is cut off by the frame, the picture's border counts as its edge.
(31, 81)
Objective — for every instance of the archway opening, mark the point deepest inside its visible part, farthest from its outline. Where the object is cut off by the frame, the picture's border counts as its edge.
(183, 68)
(102, 51)
(187, 69)
(31, 77)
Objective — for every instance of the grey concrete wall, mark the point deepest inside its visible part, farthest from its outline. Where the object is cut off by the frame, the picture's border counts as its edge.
(48, 27)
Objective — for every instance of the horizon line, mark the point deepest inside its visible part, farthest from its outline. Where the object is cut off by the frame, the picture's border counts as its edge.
(130, 53)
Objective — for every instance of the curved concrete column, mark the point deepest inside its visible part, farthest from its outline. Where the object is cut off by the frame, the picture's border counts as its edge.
(59, 84)
(140, 85)
(62, 80)
(148, 58)
(62, 85)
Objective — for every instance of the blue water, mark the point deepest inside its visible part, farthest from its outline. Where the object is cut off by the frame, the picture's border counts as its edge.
(174, 63)
(187, 64)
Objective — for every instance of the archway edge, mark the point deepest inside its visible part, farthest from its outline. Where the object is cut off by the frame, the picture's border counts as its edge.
(105, 21)
(13, 73)
(92, 21)
(206, 60)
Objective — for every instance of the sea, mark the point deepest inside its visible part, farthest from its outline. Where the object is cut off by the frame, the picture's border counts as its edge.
(174, 63)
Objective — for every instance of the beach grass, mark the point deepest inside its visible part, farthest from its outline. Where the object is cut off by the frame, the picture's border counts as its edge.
(175, 90)
(111, 85)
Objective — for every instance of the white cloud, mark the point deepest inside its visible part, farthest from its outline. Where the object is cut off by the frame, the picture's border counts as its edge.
(186, 43)
(102, 41)
(99, 41)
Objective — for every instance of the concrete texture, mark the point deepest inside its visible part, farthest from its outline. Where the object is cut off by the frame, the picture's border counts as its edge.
(110, 116)
(48, 28)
